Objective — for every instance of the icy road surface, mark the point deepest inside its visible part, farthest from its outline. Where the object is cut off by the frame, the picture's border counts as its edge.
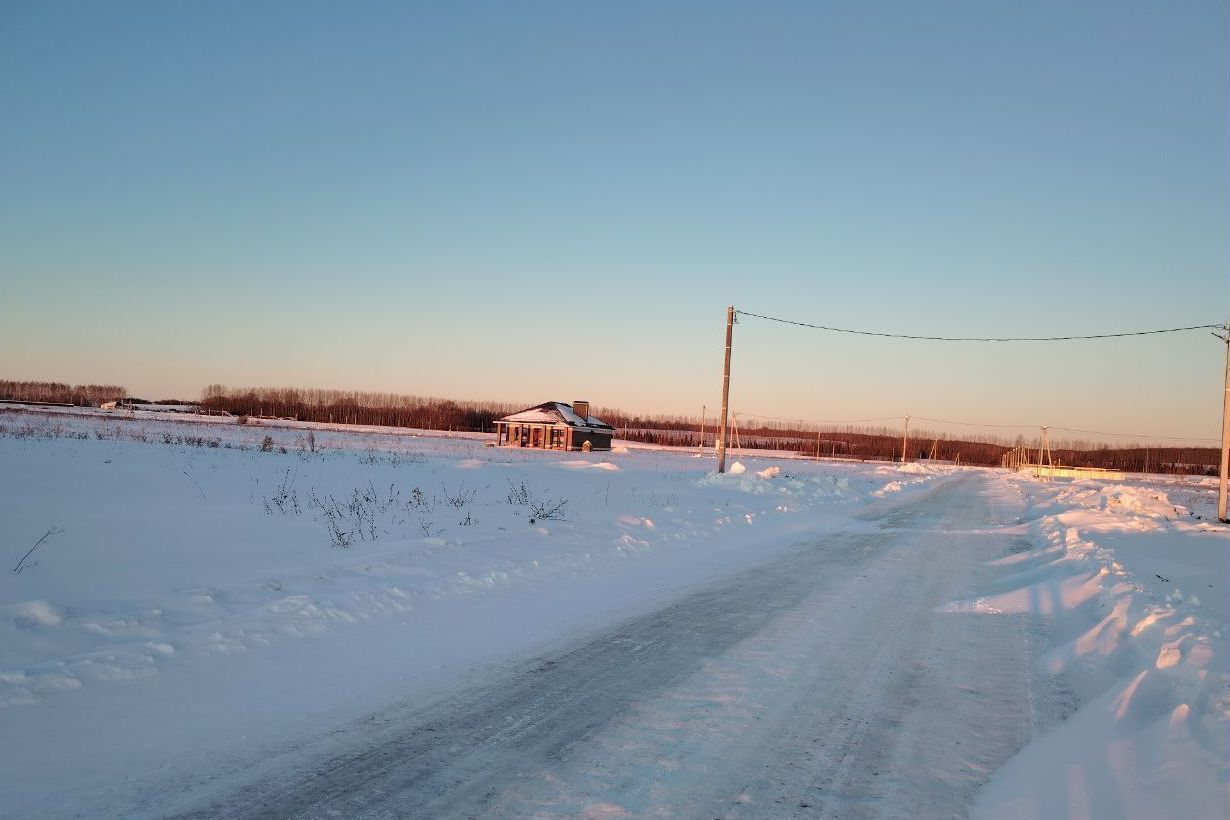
(830, 681)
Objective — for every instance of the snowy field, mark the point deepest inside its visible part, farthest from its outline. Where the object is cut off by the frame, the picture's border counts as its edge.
(240, 620)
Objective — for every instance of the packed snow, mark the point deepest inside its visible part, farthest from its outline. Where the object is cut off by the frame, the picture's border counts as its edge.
(1132, 580)
(214, 603)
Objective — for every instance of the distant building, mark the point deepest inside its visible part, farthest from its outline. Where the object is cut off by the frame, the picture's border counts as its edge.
(152, 406)
(554, 425)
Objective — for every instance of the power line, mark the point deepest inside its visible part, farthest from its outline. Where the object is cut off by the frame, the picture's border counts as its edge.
(813, 421)
(980, 338)
(1137, 436)
(980, 424)
(1134, 435)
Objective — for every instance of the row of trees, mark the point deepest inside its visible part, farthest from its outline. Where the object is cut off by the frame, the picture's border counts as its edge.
(1135, 459)
(356, 407)
(879, 444)
(870, 443)
(83, 395)
(426, 412)
(883, 444)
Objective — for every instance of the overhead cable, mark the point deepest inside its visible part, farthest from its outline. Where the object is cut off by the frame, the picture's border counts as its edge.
(978, 424)
(1133, 435)
(981, 338)
(813, 421)
(1137, 436)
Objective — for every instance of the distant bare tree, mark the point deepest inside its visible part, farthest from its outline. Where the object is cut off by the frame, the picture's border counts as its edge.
(83, 395)
(870, 443)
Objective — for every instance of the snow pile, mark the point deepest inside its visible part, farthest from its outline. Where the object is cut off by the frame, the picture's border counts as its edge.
(1135, 501)
(35, 614)
(807, 484)
(905, 475)
(889, 488)
(1134, 697)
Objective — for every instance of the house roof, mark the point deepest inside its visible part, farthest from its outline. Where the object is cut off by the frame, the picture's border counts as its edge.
(556, 412)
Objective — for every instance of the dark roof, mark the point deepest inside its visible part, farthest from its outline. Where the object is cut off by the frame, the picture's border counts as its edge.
(556, 412)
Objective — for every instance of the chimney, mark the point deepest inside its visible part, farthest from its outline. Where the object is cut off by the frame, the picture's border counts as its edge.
(581, 408)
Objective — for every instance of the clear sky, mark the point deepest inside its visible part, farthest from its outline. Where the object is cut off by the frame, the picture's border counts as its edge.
(533, 201)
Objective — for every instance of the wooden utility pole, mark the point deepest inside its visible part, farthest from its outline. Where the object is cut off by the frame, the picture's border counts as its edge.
(1225, 437)
(702, 428)
(1044, 448)
(905, 437)
(730, 328)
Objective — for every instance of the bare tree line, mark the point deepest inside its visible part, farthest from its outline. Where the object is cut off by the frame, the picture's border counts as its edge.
(848, 441)
(1136, 459)
(82, 395)
(357, 407)
(884, 444)
(433, 413)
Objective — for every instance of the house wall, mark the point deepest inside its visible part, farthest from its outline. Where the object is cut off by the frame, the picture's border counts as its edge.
(598, 440)
(522, 434)
(514, 434)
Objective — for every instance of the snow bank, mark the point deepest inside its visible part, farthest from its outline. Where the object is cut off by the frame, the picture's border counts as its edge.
(905, 475)
(1134, 694)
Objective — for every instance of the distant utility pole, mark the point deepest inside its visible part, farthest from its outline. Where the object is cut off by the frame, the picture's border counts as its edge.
(702, 428)
(905, 437)
(1044, 449)
(1225, 435)
(730, 328)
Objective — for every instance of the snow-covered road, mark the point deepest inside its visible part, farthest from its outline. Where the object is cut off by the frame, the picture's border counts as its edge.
(792, 638)
(830, 681)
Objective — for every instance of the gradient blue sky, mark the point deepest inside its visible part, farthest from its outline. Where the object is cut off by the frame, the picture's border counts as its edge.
(531, 201)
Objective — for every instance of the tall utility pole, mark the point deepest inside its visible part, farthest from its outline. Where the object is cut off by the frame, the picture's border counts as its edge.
(702, 428)
(730, 328)
(905, 437)
(1225, 436)
(1044, 449)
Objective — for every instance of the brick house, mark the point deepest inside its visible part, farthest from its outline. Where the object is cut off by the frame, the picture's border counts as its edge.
(554, 425)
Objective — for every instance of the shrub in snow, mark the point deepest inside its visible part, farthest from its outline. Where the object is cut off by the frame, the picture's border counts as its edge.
(518, 493)
(540, 510)
(547, 510)
(461, 498)
(25, 563)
